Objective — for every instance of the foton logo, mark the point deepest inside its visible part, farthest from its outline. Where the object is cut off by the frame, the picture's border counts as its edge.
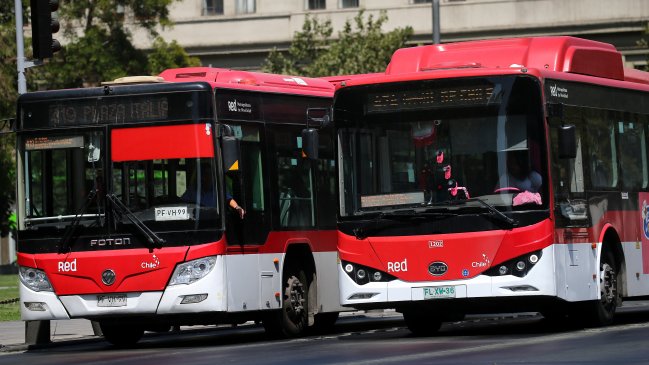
(437, 268)
(67, 266)
(398, 266)
(111, 242)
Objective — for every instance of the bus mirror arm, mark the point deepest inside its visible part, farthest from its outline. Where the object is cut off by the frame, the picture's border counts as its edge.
(567, 141)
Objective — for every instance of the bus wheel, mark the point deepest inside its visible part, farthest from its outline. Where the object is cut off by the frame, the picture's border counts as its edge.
(293, 318)
(121, 335)
(601, 312)
(421, 323)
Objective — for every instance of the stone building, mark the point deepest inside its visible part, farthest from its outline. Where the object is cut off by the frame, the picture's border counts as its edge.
(240, 33)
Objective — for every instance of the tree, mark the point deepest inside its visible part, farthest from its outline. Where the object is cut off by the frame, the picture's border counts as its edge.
(361, 47)
(8, 95)
(100, 46)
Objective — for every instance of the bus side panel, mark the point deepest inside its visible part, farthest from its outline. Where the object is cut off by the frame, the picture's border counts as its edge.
(270, 281)
(243, 280)
(637, 282)
(576, 271)
(327, 268)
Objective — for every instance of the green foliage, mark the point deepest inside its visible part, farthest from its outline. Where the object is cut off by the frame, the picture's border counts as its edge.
(361, 47)
(100, 46)
(97, 56)
(7, 182)
(9, 291)
(8, 95)
(168, 55)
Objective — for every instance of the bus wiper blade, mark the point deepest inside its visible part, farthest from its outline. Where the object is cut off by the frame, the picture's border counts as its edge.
(376, 225)
(153, 238)
(65, 243)
(511, 221)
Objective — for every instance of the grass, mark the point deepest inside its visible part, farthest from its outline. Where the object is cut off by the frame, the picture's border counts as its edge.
(8, 291)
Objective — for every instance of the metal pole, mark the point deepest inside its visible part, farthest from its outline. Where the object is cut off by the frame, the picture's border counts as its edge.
(436, 35)
(20, 48)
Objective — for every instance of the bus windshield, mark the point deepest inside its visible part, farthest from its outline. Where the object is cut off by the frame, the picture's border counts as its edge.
(63, 174)
(164, 177)
(431, 143)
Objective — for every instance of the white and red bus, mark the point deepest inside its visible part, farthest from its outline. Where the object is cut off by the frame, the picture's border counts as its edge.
(124, 203)
(495, 176)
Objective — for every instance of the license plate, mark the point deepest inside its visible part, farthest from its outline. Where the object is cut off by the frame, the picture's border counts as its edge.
(171, 214)
(436, 292)
(111, 300)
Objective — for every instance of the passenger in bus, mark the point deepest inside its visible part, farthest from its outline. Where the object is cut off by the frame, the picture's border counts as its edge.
(519, 176)
(234, 205)
(206, 196)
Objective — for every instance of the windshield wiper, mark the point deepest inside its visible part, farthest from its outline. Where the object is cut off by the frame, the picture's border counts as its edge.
(65, 243)
(151, 237)
(377, 223)
(510, 221)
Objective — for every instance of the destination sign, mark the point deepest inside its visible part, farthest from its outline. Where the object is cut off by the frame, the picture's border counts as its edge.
(52, 142)
(428, 98)
(104, 111)
(59, 109)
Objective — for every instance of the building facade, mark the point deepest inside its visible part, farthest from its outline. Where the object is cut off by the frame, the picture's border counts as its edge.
(240, 33)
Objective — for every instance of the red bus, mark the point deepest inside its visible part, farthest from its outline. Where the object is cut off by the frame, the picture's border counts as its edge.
(189, 200)
(495, 176)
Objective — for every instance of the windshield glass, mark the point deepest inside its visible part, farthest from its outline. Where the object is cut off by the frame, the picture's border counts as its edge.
(426, 143)
(63, 180)
(166, 176)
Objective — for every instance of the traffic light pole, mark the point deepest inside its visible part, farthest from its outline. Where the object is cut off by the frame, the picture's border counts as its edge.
(22, 64)
(36, 332)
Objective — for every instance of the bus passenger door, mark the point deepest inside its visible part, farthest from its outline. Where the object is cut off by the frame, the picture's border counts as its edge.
(248, 187)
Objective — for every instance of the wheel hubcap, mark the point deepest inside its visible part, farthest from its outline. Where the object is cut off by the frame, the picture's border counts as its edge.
(295, 299)
(608, 285)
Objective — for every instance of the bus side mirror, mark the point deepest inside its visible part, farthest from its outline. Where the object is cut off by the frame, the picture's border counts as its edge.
(567, 141)
(310, 143)
(231, 153)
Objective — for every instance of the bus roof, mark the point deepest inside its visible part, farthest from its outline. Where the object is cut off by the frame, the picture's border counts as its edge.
(252, 81)
(566, 55)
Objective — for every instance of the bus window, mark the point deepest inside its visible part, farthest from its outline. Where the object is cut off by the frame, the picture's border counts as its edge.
(602, 153)
(633, 156)
(294, 181)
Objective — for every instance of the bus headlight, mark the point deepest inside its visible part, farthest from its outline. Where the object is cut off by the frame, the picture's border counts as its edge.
(34, 279)
(518, 266)
(191, 271)
(363, 274)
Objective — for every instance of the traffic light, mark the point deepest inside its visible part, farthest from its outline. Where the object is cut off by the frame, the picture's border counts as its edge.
(44, 24)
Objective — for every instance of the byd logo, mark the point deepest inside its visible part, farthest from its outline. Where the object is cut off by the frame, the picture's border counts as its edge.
(437, 268)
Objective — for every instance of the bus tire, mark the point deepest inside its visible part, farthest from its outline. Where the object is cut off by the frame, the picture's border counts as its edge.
(601, 312)
(421, 323)
(121, 335)
(293, 318)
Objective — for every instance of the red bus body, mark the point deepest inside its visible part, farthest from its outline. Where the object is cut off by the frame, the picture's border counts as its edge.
(574, 241)
(123, 204)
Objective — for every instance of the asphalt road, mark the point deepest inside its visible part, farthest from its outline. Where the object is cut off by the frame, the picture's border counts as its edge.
(521, 339)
